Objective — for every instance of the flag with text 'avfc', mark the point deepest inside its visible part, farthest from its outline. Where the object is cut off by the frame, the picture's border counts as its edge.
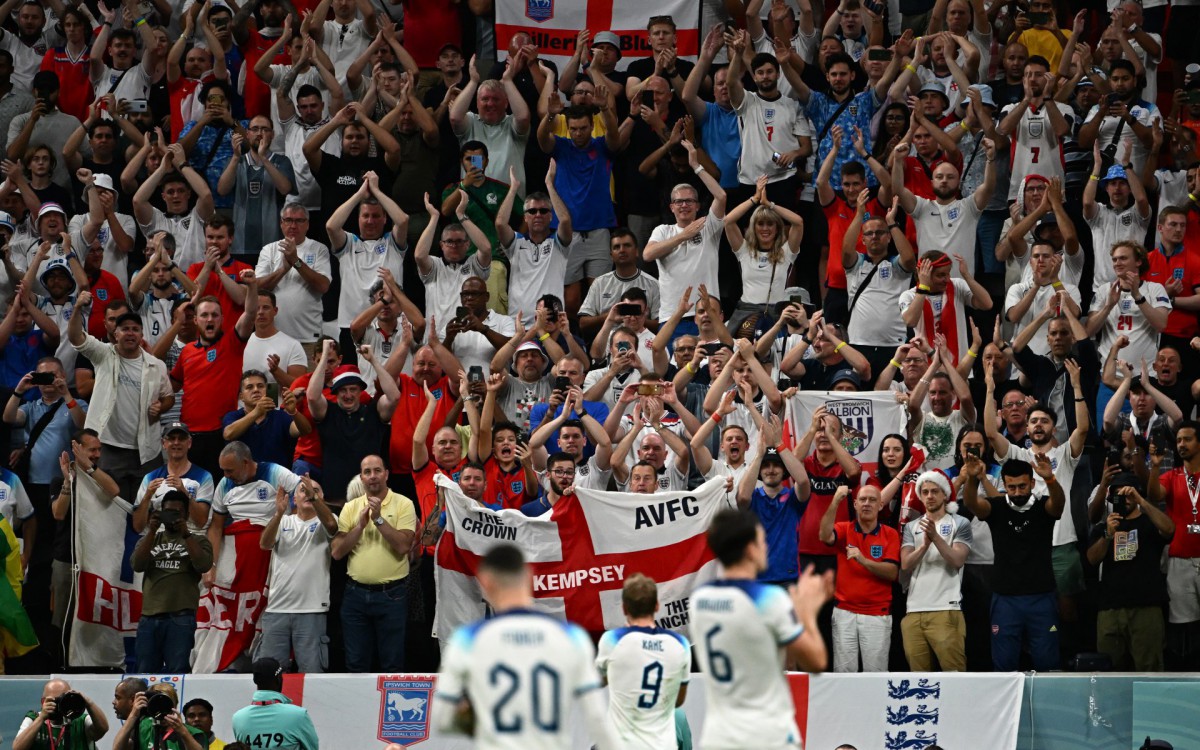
(581, 552)
(554, 25)
(107, 600)
(866, 419)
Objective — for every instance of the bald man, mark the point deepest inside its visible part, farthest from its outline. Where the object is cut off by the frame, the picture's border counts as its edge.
(77, 730)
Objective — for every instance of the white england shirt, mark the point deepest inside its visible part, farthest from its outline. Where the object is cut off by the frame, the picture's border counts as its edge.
(645, 668)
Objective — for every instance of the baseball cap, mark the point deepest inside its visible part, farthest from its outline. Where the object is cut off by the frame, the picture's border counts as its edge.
(771, 456)
(1049, 220)
(1084, 83)
(798, 291)
(607, 37)
(104, 181)
(266, 671)
(449, 45)
(846, 375)
(176, 427)
(6, 220)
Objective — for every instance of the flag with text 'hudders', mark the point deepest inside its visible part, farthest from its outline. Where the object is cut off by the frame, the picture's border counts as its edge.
(581, 552)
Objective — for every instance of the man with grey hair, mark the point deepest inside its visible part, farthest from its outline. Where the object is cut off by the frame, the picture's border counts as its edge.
(504, 134)
(296, 268)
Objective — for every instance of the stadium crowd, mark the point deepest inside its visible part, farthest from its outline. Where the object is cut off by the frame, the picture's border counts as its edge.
(279, 264)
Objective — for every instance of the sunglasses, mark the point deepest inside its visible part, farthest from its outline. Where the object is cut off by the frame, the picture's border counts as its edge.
(537, 210)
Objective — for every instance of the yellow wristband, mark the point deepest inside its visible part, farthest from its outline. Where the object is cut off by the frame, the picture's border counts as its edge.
(910, 67)
(964, 125)
(690, 368)
(838, 348)
(543, 337)
(923, 287)
(895, 364)
(972, 353)
(1093, 177)
(1057, 285)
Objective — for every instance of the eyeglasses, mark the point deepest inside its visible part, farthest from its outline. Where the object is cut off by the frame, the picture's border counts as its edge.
(874, 232)
(913, 360)
(537, 210)
(294, 220)
(1013, 405)
(563, 472)
(684, 201)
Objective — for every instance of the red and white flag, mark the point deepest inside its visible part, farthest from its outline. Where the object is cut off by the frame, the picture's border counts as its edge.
(107, 593)
(555, 24)
(582, 552)
(227, 620)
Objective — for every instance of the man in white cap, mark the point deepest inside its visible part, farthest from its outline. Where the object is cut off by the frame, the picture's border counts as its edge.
(61, 278)
(49, 224)
(12, 274)
(115, 231)
(934, 549)
(532, 382)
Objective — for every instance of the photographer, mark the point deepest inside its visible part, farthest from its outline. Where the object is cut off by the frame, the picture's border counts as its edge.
(173, 560)
(155, 724)
(67, 719)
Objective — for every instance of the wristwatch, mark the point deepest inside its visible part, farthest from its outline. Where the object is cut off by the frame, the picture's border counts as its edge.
(90, 470)
(378, 521)
(297, 264)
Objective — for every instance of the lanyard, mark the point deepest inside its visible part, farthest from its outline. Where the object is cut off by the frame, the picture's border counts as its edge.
(1193, 488)
(54, 741)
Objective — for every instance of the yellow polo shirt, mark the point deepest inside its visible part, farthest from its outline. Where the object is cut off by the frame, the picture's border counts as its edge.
(1044, 43)
(373, 560)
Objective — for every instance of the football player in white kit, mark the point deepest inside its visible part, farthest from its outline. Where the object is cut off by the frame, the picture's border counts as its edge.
(647, 670)
(513, 680)
(745, 632)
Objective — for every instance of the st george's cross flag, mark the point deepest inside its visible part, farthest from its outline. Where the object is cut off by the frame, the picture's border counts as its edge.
(581, 552)
(227, 620)
(554, 25)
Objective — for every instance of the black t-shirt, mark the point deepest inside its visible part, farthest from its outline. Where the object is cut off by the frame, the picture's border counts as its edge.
(1180, 393)
(643, 68)
(448, 169)
(341, 176)
(1132, 576)
(1006, 93)
(1023, 541)
(346, 439)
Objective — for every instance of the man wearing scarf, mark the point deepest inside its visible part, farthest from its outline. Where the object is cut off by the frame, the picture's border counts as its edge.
(938, 304)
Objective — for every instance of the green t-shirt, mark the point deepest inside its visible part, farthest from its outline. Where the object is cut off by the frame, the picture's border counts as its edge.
(172, 577)
(146, 735)
(484, 204)
(74, 738)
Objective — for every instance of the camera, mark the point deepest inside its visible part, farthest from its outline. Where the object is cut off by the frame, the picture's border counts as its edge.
(159, 705)
(138, 105)
(42, 378)
(650, 389)
(629, 308)
(68, 707)
(475, 374)
(562, 383)
(170, 518)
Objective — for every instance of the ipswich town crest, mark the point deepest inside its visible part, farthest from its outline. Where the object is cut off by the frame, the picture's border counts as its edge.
(539, 10)
(404, 703)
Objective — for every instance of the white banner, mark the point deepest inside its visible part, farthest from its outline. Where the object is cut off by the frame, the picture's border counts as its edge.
(875, 712)
(866, 419)
(901, 710)
(554, 24)
(582, 552)
(108, 594)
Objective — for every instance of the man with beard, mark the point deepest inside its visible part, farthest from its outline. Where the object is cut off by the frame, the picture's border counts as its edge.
(1009, 88)
(342, 178)
(157, 286)
(210, 369)
(573, 436)
(936, 426)
(947, 221)
(1022, 525)
(530, 381)
(775, 135)
(1176, 487)
(430, 366)
(392, 322)
(260, 180)
(1064, 457)
(1039, 124)
(1122, 115)
(561, 471)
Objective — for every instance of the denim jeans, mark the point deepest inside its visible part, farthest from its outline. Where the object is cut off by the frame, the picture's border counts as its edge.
(164, 642)
(373, 624)
(299, 633)
(987, 234)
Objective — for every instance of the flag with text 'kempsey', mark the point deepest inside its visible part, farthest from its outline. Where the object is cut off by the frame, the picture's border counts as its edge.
(581, 552)
(107, 601)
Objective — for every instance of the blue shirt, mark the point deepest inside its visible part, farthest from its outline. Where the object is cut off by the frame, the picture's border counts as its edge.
(862, 108)
(272, 721)
(56, 438)
(21, 356)
(780, 517)
(533, 508)
(597, 410)
(583, 178)
(271, 440)
(722, 141)
(221, 151)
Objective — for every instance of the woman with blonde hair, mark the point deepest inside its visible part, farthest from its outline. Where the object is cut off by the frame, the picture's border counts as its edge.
(765, 253)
